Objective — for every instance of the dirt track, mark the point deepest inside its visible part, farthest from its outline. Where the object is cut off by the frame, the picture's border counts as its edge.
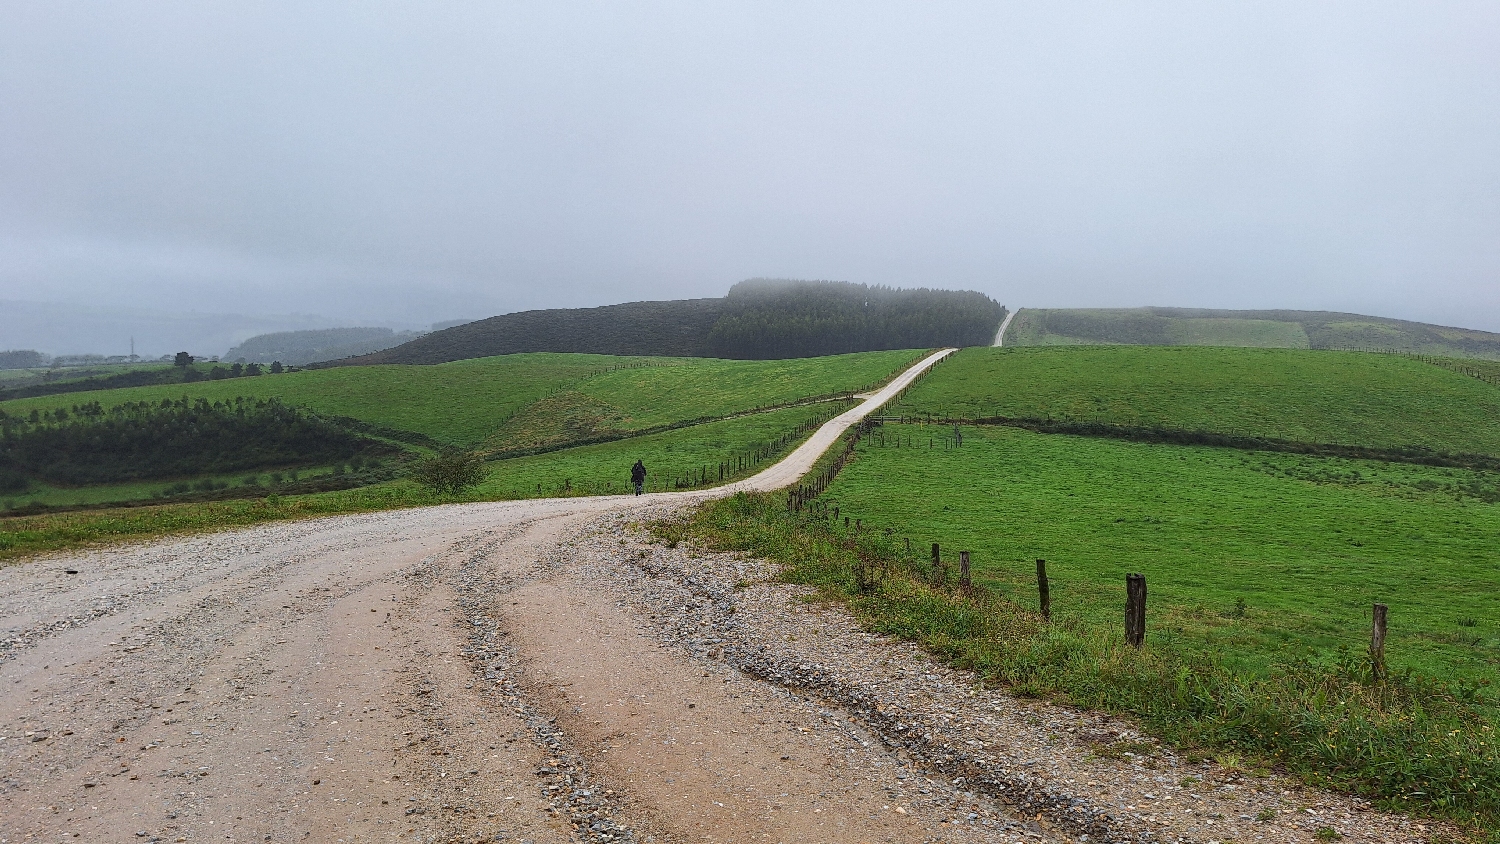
(520, 671)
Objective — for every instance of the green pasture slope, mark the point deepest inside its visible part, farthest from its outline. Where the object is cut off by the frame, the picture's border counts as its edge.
(464, 402)
(1262, 566)
(604, 469)
(1286, 329)
(654, 403)
(457, 403)
(626, 401)
(586, 470)
(1349, 398)
(1308, 544)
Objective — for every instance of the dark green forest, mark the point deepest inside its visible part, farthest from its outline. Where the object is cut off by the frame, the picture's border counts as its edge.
(759, 319)
(769, 318)
(170, 439)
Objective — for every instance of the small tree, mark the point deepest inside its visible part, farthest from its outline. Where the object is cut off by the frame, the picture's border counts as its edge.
(277, 368)
(450, 472)
(182, 359)
(253, 369)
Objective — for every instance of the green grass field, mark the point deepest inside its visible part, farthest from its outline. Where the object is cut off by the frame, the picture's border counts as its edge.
(457, 403)
(604, 469)
(1308, 544)
(265, 482)
(465, 402)
(1250, 333)
(585, 470)
(629, 400)
(1257, 329)
(1318, 397)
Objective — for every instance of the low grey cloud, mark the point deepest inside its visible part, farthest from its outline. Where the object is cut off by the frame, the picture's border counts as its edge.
(399, 164)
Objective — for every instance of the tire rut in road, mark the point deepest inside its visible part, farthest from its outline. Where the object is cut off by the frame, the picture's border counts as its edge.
(479, 574)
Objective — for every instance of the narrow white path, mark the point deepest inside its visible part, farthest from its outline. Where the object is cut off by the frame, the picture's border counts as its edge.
(791, 468)
(1000, 335)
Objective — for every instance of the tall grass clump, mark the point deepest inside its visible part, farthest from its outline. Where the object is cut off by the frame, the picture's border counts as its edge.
(1408, 742)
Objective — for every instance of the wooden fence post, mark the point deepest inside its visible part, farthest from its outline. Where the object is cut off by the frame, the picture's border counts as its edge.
(963, 569)
(1135, 609)
(1044, 589)
(1377, 641)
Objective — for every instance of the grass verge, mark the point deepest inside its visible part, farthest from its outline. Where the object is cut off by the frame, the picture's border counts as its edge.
(1410, 743)
(27, 535)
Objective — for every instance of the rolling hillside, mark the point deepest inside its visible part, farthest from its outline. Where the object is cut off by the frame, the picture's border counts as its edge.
(501, 407)
(1351, 398)
(759, 319)
(1267, 329)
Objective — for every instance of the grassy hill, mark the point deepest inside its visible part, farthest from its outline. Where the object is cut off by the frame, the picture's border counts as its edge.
(1262, 565)
(759, 319)
(1269, 329)
(1261, 570)
(457, 404)
(501, 406)
(625, 401)
(1381, 401)
(468, 402)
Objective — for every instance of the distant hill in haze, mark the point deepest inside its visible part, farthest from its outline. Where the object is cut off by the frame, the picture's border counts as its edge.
(296, 348)
(1269, 329)
(759, 319)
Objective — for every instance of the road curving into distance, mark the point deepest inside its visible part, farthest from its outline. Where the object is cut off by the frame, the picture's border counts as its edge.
(507, 671)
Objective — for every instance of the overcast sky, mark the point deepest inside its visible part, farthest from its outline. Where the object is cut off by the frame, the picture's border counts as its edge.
(405, 163)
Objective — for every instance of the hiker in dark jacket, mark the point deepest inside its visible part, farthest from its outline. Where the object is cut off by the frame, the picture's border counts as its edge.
(638, 476)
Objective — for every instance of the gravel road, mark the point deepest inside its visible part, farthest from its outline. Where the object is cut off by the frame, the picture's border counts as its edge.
(540, 671)
(1000, 334)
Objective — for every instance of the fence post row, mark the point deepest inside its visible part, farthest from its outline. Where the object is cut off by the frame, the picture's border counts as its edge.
(1135, 609)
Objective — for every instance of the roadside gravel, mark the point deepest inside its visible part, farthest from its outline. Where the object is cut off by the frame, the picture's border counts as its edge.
(985, 757)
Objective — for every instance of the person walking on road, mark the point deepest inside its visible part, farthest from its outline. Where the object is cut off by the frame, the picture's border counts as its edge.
(638, 476)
